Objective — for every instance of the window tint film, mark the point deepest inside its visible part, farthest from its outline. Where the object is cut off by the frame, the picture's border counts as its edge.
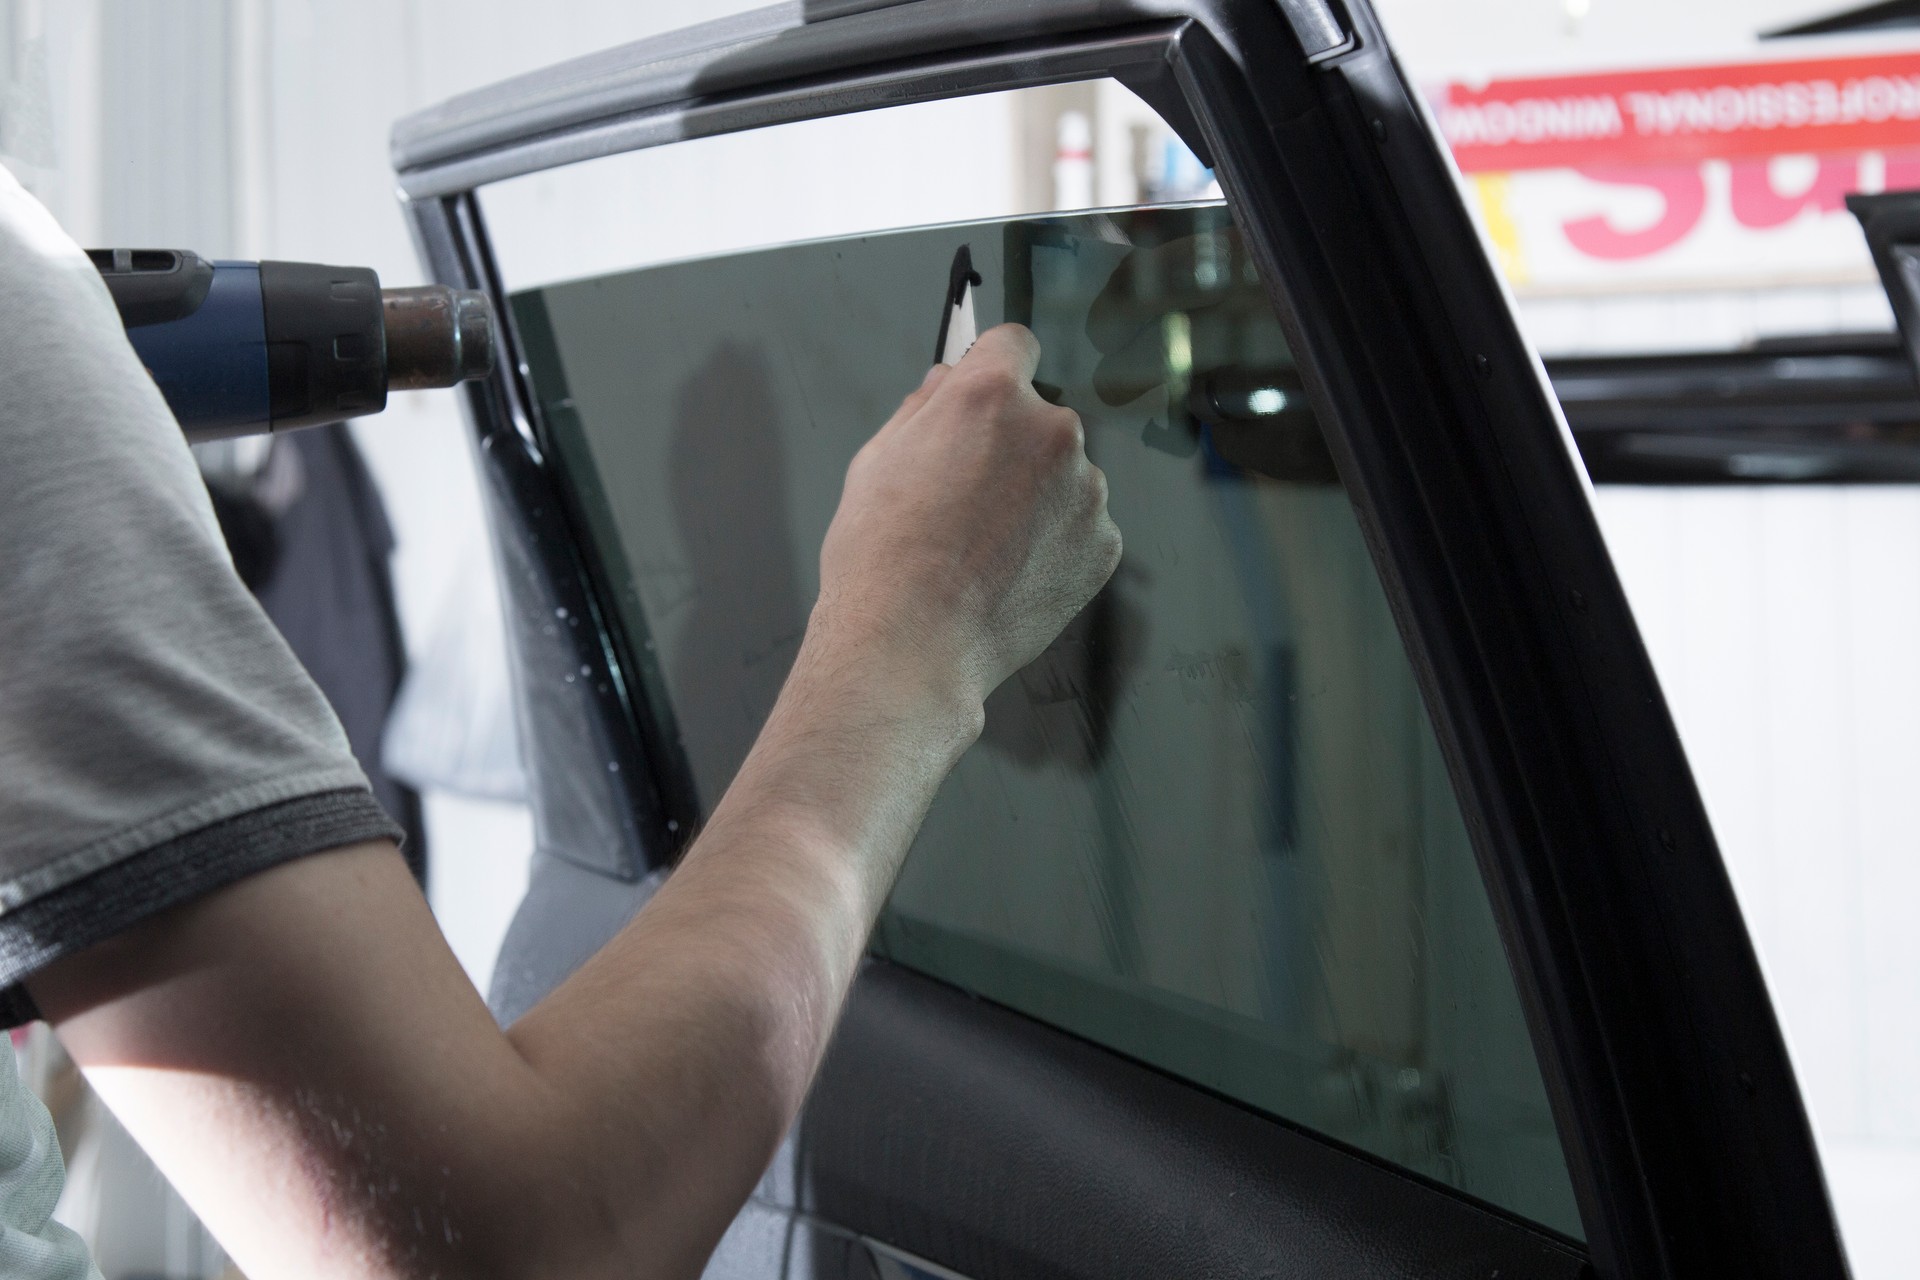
(1210, 827)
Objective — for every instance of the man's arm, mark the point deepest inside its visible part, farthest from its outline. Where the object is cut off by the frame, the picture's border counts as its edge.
(302, 1055)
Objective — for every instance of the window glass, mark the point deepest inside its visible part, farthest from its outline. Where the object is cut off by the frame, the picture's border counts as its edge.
(1210, 827)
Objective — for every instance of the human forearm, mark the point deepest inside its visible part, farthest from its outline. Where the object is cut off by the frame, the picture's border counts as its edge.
(724, 991)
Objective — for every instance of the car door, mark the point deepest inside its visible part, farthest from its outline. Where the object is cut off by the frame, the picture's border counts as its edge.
(1333, 898)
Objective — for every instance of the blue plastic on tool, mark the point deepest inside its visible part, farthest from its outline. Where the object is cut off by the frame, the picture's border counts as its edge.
(212, 365)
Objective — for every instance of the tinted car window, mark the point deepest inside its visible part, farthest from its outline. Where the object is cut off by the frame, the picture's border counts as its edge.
(1210, 828)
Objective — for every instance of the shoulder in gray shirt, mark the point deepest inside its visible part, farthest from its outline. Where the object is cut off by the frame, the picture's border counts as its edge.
(157, 738)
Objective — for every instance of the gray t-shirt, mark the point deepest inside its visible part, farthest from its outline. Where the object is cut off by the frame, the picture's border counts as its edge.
(158, 740)
(157, 737)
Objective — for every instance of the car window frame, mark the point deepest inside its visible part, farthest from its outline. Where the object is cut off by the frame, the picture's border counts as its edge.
(1685, 1134)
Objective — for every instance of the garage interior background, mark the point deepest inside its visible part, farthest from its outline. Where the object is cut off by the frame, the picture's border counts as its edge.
(1782, 620)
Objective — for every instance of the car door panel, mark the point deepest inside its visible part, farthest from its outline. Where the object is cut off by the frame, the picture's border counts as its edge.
(977, 1139)
(1014, 1151)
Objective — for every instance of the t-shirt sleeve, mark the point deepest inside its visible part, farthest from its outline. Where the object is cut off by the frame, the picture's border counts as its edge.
(158, 739)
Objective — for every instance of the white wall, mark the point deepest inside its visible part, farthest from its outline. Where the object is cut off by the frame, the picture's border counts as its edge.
(1467, 38)
(1783, 625)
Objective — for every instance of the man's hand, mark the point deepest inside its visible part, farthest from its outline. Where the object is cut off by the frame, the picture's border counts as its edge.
(972, 528)
(302, 1056)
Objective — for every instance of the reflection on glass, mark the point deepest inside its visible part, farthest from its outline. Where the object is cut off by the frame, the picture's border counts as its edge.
(1210, 827)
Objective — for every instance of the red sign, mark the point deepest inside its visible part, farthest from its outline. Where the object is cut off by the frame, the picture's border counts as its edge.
(1681, 116)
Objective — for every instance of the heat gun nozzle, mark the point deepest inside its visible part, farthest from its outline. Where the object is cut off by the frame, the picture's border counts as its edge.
(436, 336)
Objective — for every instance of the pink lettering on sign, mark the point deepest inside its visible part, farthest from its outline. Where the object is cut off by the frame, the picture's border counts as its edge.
(1683, 193)
(1903, 170)
(1758, 204)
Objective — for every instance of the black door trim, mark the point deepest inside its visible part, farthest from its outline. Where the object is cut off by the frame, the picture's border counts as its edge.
(1135, 1172)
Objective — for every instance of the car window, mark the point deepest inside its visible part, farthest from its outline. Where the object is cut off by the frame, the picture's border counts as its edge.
(1210, 828)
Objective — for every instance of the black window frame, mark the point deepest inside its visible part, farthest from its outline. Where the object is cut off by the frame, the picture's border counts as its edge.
(1685, 1134)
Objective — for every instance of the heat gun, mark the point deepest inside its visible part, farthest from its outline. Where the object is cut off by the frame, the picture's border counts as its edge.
(242, 348)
